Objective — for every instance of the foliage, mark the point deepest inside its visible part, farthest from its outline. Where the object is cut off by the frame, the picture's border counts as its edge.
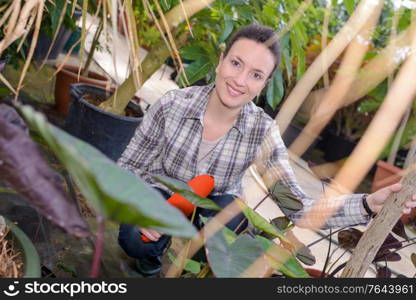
(112, 191)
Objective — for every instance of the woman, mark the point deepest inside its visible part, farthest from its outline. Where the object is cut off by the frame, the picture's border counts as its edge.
(217, 130)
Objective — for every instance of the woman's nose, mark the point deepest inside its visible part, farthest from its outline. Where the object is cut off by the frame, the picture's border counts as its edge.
(241, 78)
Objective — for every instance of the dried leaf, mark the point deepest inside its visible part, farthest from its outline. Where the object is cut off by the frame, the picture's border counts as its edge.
(349, 238)
(413, 258)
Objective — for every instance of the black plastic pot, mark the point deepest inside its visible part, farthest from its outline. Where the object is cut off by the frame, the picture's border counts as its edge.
(290, 135)
(108, 132)
(337, 147)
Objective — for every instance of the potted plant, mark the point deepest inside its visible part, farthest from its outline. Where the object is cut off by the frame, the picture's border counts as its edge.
(57, 26)
(114, 107)
(70, 74)
(21, 248)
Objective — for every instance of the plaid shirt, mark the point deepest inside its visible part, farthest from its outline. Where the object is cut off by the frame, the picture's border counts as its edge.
(167, 143)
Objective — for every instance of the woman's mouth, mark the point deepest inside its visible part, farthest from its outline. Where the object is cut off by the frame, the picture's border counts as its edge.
(233, 92)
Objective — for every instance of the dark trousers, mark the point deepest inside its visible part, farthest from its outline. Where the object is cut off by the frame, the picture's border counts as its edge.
(131, 242)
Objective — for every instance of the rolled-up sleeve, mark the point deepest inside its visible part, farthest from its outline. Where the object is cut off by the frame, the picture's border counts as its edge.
(272, 163)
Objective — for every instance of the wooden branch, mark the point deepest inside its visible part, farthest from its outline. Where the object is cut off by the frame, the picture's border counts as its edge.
(376, 234)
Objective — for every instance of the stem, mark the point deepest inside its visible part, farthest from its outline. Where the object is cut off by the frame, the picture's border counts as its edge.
(326, 236)
(327, 255)
(99, 245)
(92, 49)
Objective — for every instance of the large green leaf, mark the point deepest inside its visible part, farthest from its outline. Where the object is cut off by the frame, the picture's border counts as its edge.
(349, 5)
(190, 265)
(184, 190)
(286, 200)
(231, 258)
(275, 89)
(281, 259)
(229, 26)
(196, 70)
(261, 223)
(112, 191)
(193, 52)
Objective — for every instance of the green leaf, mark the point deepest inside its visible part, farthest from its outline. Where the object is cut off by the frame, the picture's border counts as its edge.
(286, 200)
(229, 26)
(196, 70)
(113, 192)
(190, 265)
(281, 259)
(193, 52)
(231, 260)
(261, 223)
(285, 52)
(275, 89)
(349, 5)
(184, 190)
(303, 253)
(281, 222)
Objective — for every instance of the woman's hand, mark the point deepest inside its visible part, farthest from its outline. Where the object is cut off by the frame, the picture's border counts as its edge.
(376, 200)
(151, 234)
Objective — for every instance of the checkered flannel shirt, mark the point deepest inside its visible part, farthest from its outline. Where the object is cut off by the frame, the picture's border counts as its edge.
(167, 142)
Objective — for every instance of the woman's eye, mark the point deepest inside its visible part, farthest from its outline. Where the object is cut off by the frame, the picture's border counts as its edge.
(257, 76)
(235, 63)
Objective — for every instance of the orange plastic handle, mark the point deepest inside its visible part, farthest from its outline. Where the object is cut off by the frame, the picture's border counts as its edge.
(202, 185)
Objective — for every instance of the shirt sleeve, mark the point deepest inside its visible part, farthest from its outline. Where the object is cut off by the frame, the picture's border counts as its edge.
(272, 163)
(147, 142)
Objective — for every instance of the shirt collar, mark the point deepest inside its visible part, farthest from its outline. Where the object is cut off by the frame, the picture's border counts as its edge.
(199, 103)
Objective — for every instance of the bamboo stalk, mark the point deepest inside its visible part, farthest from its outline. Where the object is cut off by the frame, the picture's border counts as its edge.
(334, 98)
(318, 68)
(324, 39)
(32, 45)
(184, 10)
(375, 71)
(383, 125)
(371, 144)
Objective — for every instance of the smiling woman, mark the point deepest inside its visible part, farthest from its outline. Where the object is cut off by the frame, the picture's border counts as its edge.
(220, 123)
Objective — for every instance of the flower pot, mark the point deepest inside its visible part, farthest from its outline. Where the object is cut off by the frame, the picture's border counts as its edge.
(69, 75)
(315, 273)
(386, 174)
(290, 135)
(108, 132)
(336, 147)
(30, 255)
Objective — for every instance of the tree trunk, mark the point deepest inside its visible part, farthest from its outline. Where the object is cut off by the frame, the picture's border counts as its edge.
(376, 234)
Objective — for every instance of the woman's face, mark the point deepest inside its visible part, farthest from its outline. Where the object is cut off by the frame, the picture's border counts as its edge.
(243, 73)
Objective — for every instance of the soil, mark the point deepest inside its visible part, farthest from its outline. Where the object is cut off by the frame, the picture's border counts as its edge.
(96, 100)
(11, 260)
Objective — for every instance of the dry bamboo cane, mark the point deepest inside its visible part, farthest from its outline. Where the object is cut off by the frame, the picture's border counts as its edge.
(372, 239)
(334, 98)
(383, 125)
(374, 72)
(372, 143)
(328, 56)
